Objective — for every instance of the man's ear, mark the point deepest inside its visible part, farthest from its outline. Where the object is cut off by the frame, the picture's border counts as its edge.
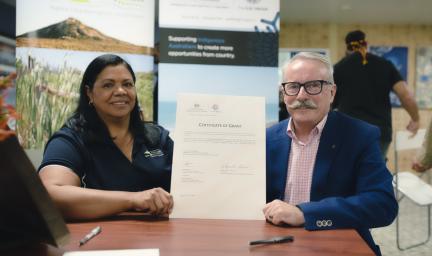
(333, 92)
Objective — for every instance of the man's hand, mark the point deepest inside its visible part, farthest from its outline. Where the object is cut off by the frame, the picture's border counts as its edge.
(418, 167)
(279, 212)
(155, 201)
(413, 127)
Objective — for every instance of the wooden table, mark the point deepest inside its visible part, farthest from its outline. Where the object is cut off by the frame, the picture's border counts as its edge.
(203, 238)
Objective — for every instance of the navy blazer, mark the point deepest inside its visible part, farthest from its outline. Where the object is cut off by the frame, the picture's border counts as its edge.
(351, 185)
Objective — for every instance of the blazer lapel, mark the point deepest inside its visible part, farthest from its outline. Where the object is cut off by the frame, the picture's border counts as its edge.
(328, 147)
(283, 147)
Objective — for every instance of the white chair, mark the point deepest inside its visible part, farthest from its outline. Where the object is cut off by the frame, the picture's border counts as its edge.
(409, 184)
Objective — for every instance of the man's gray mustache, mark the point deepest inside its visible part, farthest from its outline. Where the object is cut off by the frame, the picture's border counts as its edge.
(303, 104)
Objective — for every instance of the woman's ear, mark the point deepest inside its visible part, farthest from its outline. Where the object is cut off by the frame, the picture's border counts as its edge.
(89, 94)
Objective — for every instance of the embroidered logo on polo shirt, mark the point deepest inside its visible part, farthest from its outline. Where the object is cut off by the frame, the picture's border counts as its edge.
(153, 153)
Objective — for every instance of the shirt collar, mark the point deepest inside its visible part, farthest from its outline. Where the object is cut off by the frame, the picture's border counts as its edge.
(317, 130)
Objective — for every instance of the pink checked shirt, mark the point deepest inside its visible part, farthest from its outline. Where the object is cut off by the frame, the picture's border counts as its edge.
(301, 164)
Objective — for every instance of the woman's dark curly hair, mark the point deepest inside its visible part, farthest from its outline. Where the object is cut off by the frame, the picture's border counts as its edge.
(85, 118)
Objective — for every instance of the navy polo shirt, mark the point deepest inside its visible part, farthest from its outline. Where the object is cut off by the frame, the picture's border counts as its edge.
(103, 166)
(363, 90)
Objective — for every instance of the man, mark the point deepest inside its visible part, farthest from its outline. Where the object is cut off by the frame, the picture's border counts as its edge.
(324, 169)
(364, 82)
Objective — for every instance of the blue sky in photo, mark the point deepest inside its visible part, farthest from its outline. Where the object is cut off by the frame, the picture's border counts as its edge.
(217, 79)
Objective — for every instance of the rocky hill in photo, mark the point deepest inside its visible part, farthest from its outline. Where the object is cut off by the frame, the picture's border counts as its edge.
(72, 34)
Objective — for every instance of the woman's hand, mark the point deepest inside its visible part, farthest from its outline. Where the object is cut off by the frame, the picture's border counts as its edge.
(155, 201)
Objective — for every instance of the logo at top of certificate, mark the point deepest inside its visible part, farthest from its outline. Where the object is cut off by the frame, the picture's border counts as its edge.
(203, 108)
(215, 107)
(196, 107)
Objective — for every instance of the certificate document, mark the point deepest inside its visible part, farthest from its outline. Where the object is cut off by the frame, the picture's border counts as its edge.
(219, 157)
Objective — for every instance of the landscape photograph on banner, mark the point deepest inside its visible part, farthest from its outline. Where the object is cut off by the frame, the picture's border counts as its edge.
(104, 26)
(48, 89)
(56, 40)
(424, 77)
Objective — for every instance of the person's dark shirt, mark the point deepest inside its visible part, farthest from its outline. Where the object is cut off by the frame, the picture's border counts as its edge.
(363, 90)
(103, 166)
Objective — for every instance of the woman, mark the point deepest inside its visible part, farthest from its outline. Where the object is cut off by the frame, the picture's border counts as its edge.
(105, 160)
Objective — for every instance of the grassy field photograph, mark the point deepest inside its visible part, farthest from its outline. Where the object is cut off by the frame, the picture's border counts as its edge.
(47, 92)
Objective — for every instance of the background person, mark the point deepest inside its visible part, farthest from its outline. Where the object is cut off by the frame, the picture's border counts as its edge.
(364, 82)
(324, 169)
(423, 160)
(105, 160)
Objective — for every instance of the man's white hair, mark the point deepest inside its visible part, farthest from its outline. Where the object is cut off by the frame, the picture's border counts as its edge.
(312, 56)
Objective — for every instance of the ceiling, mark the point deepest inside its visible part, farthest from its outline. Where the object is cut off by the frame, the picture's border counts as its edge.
(357, 11)
(350, 11)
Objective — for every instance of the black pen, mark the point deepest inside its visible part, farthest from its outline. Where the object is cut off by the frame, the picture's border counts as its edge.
(273, 240)
(90, 235)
